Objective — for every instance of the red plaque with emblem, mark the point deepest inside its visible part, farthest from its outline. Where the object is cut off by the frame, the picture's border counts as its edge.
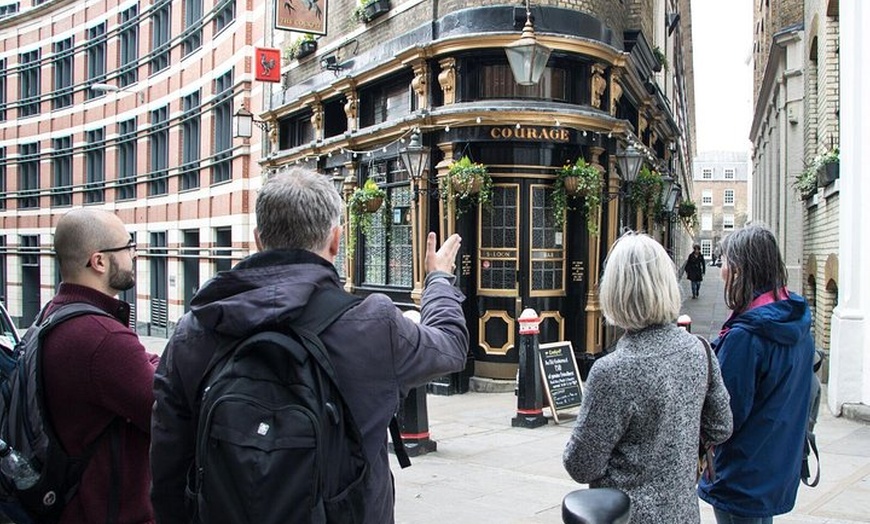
(267, 64)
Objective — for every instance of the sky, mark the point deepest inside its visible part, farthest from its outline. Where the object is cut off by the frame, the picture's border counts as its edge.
(722, 42)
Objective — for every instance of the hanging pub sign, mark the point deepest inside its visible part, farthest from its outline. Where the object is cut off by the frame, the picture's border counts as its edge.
(267, 64)
(304, 16)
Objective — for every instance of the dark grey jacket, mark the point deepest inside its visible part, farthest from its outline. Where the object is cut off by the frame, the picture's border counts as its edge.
(643, 409)
(378, 354)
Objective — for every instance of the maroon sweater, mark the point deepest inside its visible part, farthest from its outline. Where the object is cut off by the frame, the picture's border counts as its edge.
(95, 370)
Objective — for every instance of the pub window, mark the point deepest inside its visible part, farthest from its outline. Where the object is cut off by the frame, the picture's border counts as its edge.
(161, 44)
(61, 167)
(28, 176)
(548, 253)
(387, 101)
(387, 250)
(497, 81)
(95, 166)
(222, 117)
(338, 182)
(126, 152)
(158, 142)
(29, 83)
(96, 57)
(63, 73)
(499, 240)
(295, 130)
(334, 118)
(128, 46)
(190, 137)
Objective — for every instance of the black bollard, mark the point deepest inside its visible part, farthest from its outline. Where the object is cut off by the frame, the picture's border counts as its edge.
(414, 415)
(530, 403)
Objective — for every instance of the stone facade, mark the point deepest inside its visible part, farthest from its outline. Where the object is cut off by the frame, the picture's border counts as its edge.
(770, 17)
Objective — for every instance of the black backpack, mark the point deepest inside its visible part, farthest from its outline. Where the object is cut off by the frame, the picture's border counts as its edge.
(276, 442)
(25, 426)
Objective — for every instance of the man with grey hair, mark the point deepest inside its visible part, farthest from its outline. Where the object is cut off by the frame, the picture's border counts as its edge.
(378, 355)
(97, 375)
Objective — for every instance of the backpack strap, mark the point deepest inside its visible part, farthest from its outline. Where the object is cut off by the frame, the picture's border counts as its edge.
(810, 445)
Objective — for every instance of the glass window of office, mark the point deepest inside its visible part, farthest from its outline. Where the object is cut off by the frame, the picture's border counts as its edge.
(707, 197)
(706, 247)
(728, 221)
(729, 173)
(128, 46)
(3, 188)
(190, 141)
(95, 166)
(28, 176)
(61, 168)
(192, 26)
(728, 197)
(706, 221)
(158, 144)
(707, 173)
(223, 249)
(2, 89)
(29, 83)
(63, 73)
(161, 41)
(127, 157)
(222, 118)
(224, 14)
(96, 57)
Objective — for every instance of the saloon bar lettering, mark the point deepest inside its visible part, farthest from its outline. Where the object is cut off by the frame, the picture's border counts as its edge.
(553, 134)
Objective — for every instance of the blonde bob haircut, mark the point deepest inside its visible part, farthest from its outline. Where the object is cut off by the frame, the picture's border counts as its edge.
(639, 286)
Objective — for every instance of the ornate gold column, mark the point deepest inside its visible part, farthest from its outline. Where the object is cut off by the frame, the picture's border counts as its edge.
(593, 309)
(446, 211)
(447, 79)
(347, 189)
(419, 231)
(420, 83)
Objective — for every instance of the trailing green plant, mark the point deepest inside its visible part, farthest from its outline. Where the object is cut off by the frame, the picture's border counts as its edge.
(589, 186)
(660, 56)
(363, 204)
(358, 13)
(646, 191)
(806, 182)
(467, 183)
(292, 51)
(688, 213)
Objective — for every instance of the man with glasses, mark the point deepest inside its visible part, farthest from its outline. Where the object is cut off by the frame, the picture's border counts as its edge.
(98, 377)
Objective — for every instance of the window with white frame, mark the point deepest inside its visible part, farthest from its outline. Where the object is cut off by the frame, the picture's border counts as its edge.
(707, 222)
(729, 173)
(707, 197)
(728, 221)
(707, 173)
(728, 197)
(706, 247)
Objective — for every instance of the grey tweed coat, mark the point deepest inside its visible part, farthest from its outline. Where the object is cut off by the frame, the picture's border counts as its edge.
(638, 425)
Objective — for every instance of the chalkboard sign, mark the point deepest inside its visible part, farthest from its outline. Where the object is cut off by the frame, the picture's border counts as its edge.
(561, 376)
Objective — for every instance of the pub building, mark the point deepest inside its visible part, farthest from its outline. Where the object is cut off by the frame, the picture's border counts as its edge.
(400, 100)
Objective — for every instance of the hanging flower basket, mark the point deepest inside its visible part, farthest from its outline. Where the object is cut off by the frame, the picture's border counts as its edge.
(688, 213)
(646, 191)
(363, 204)
(467, 183)
(578, 180)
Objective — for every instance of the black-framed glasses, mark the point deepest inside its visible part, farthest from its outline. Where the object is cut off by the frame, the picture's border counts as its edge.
(130, 245)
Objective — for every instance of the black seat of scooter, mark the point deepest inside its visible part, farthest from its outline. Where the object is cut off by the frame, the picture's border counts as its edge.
(596, 506)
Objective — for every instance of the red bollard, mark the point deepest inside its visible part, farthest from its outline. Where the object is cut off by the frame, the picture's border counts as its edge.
(685, 322)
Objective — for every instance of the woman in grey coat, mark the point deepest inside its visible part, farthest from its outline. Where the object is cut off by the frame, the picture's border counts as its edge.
(646, 403)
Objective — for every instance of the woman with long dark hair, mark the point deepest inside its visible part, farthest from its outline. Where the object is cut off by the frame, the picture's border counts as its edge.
(765, 352)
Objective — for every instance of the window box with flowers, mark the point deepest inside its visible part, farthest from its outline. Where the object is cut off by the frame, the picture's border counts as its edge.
(301, 47)
(467, 183)
(368, 10)
(827, 166)
(806, 183)
(364, 202)
(575, 181)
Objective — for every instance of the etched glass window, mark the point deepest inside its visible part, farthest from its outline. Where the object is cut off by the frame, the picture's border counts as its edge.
(548, 253)
(499, 241)
(388, 254)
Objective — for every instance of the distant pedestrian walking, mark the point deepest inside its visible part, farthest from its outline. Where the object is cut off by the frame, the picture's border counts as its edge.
(695, 267)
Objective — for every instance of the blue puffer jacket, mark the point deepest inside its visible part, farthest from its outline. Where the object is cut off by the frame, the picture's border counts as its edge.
(766, 357)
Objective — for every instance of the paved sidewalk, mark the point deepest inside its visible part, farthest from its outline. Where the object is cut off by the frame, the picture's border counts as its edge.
(487, 471)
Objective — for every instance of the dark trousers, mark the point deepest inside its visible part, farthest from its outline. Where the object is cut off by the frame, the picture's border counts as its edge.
(696, 287)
